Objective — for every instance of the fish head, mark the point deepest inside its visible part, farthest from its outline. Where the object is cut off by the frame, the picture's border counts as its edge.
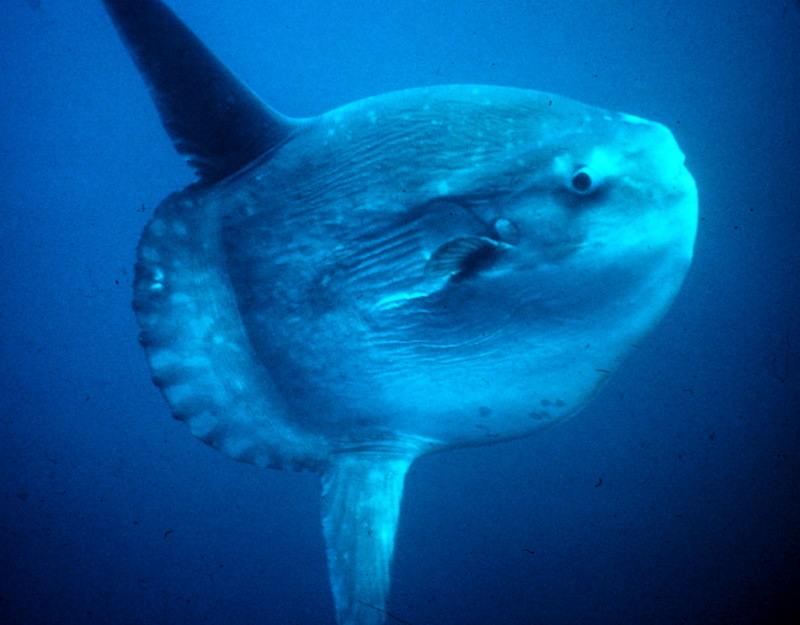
(591, 214)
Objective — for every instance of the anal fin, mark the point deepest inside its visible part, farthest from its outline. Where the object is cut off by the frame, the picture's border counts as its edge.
(361, 494)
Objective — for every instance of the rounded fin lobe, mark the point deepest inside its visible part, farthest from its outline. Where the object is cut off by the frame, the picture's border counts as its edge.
(213, 119)
(361, 494)
(199, 352)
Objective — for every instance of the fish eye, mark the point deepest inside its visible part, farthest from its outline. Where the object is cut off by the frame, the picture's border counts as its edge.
(583, 181)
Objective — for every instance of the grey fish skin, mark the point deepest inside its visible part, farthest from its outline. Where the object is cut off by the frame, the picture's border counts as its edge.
(333, 273)
(423, 270)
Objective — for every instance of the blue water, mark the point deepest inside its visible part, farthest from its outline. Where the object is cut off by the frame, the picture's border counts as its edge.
(673, 498)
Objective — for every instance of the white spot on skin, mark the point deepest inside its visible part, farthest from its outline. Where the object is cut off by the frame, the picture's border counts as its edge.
(200, 327)
(150, 254)
(632, 119)
(158, 279)
(157, 227)
(198, 361)
(179, 228)
(202, 424)
(180, 393)
(604, 162)
(164, 359)
(562, 166)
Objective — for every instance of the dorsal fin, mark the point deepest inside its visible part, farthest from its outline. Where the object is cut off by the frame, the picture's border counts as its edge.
(214, 120)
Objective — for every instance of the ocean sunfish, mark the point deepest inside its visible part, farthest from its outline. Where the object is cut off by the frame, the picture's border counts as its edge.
(430, 269)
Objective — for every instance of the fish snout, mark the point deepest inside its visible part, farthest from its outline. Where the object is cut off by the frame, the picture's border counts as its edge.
(667, 160)
(673, 192)
(656, 165)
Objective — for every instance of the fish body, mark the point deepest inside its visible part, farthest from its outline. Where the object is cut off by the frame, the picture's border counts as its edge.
(423, 270)
(344, 254)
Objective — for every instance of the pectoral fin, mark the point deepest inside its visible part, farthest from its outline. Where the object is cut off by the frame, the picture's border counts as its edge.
(463, 257)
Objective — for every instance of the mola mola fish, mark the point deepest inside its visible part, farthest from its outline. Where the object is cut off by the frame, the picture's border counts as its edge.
(424, 270)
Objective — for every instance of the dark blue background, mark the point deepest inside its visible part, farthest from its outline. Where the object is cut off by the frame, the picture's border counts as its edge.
(112, 513)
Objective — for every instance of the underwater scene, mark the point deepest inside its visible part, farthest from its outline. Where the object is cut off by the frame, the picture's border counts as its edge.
(362, 313)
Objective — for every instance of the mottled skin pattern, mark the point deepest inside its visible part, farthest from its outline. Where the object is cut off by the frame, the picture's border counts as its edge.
(327, 247)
